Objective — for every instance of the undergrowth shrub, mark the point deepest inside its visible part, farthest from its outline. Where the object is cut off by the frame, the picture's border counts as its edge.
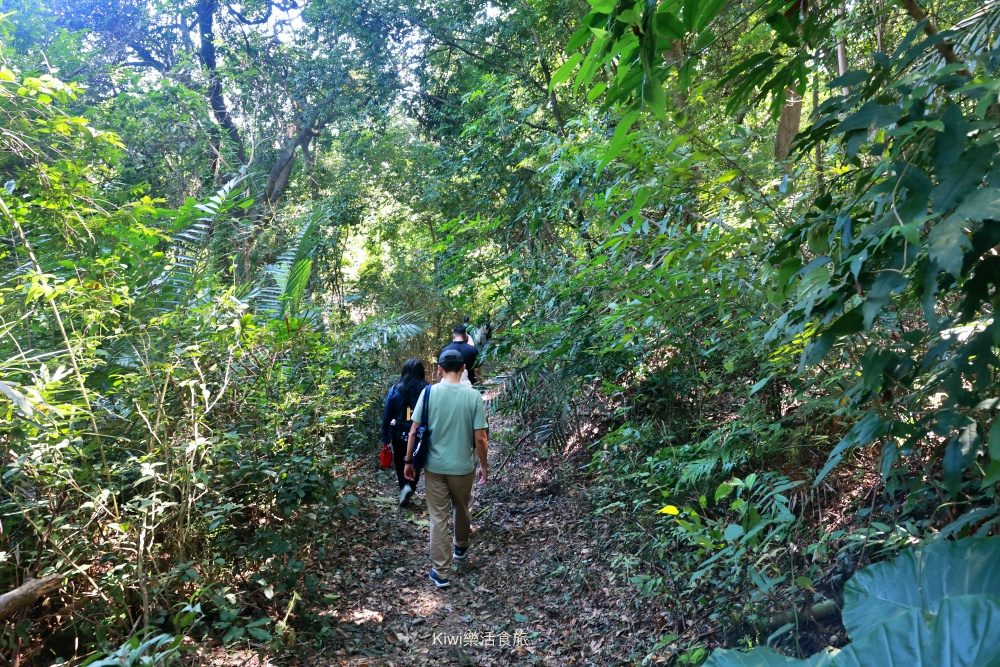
(175, 420)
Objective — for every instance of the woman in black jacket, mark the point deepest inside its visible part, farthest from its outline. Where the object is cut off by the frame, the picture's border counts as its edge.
(396, 420)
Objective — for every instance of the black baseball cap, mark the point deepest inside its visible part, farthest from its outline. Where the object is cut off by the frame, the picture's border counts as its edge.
(451, 355)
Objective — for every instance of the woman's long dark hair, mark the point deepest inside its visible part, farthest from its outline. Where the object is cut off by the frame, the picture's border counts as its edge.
(411, 381)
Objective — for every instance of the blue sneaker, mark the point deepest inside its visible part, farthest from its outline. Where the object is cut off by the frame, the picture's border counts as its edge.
(438, 581)
(459, 553)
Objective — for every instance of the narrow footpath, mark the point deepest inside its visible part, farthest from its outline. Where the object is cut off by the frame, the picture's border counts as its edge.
(545, 583)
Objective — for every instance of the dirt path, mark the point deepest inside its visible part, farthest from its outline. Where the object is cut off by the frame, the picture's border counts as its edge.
(545, 582)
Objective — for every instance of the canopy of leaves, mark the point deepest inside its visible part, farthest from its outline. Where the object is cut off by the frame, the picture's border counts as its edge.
(739, 261)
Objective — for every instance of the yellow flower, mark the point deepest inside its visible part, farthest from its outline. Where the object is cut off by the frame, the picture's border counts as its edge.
(669, 509)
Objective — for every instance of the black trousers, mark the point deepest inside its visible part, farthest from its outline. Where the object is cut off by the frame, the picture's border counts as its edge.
(399, 458)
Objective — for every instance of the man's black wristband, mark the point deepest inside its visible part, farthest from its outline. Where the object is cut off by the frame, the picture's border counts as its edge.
(407, 460)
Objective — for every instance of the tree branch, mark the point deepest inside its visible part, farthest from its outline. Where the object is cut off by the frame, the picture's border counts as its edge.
(148, 59)
(542, 128)
(449, 103)
(281, 170)
(452, 42)
(244, 20)
(142, 63)
(553, 101)
(917, 13)
(24, 596)
(491, 45)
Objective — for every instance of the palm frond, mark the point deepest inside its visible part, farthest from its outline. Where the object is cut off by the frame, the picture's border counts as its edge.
(976, 34)
(543, 398)
(290, 273)
(979, 32)
(523, 389)
(379, 333)
(191, 252)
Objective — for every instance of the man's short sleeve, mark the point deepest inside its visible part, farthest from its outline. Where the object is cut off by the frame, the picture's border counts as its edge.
(418, 409)
(479, 420)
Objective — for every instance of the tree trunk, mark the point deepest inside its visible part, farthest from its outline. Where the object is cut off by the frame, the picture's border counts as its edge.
(681, 94)
(788, 124)
(206, 53)
(26, 594)
(310, 163)
(281, 170)
(819, 144)
(841, 45)
(879, 9)
(553, 101)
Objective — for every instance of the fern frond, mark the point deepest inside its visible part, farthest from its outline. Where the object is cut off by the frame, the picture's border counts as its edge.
(698, 470)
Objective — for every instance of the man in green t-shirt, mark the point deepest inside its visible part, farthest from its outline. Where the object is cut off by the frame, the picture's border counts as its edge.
(458, 430)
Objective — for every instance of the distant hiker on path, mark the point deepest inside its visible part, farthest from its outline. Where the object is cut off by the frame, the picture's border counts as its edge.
(396, 420)
(469, 352)
(458, 428)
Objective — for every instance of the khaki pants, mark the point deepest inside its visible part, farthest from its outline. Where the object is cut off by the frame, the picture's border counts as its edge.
(448, 494)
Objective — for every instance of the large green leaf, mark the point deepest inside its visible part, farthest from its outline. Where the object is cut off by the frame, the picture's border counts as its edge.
(933, 605)
(962, 177)
(948, 242)
(565, 70)
(880, 295)
(653, 94)
(949, 144)
(921, 579)
(871, 114)
(708, 11)
(984, 204)
(765, 657)
(964, 633)
(668, 25)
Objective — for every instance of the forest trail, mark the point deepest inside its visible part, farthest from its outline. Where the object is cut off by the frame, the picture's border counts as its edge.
(544, 580)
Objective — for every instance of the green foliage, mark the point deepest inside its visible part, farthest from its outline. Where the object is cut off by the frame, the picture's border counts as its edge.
(291, 274)
(743, 318)
(205, 234)
(934, 573)
(156, 649)
(764, 657)
(160, 649)
(925, 606)
(161, 436)
(199, 314)
(908, 236)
